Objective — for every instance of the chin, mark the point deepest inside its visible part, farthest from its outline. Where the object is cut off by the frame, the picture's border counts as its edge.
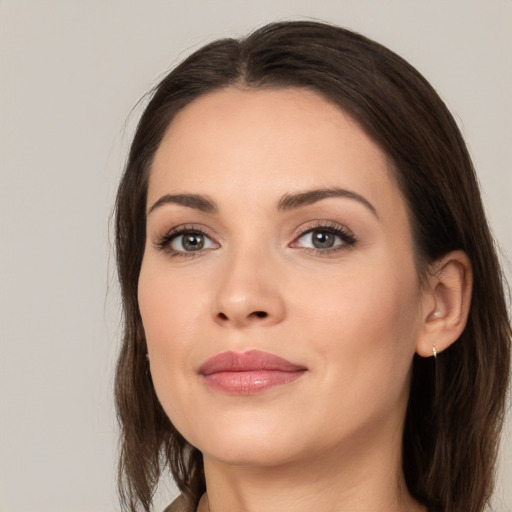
(247, 443)
(252, 454)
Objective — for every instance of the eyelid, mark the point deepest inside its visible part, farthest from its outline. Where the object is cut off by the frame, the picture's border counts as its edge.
(164, 242)
(346, 235)
(208, 243)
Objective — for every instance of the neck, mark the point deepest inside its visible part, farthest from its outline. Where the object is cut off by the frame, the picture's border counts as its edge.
(347, 479)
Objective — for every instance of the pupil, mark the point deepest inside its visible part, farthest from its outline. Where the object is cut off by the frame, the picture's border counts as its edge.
(323, 239)
(193, 242)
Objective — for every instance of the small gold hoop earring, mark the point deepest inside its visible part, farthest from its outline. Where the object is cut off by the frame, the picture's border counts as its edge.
(434, 352)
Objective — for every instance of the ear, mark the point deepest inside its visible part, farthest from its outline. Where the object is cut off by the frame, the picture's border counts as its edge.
(445, 304)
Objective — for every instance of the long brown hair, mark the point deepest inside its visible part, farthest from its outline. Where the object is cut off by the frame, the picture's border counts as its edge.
(456, 405)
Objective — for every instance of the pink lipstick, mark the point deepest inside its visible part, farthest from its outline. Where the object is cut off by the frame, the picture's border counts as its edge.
(248, 373)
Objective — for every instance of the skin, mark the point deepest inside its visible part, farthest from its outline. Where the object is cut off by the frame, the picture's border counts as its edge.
(353, 315)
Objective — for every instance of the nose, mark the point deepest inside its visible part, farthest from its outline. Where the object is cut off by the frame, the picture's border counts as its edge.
(248, 292)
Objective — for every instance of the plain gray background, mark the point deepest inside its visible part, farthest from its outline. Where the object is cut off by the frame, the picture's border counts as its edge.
(71, 71)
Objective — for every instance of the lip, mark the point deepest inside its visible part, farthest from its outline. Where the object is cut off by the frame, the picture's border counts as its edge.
(248, 373)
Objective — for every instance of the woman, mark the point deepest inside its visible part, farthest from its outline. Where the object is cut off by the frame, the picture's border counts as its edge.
(314, 311)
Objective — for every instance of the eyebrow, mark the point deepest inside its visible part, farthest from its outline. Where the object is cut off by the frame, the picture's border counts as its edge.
(196, 201)
(294, 201)
(286, 203)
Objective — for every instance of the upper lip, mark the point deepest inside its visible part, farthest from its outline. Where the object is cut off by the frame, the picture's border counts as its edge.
(251, 360)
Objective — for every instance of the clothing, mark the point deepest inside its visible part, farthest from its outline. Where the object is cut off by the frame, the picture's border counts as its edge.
(178, 505)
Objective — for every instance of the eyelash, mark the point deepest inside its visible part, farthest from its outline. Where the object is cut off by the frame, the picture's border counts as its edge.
(347, 238)
(165, 241)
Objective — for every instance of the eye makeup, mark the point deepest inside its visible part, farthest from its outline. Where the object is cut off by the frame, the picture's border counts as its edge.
(193, 239)
(324, 237)
(320, 237)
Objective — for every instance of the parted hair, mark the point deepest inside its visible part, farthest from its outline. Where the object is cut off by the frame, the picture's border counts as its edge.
(457, 402)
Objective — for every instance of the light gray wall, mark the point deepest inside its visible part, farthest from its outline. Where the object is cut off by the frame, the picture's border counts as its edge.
(70, 73)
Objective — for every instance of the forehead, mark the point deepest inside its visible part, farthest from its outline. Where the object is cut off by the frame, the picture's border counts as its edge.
(262, 144)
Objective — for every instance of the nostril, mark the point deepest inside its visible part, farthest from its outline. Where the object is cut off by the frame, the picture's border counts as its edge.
(255, 314)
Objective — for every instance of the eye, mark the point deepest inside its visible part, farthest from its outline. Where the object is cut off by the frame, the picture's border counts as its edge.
(190, 242)
(320, 239)
(186, 241)
(324, 238)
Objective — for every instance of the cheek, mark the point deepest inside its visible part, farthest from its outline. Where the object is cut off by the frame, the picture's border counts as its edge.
(364, 326)
(360, 299)
(170, 305)
(171, 310)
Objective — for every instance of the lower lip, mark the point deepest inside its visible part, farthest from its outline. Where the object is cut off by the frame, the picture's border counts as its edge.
(250, 382)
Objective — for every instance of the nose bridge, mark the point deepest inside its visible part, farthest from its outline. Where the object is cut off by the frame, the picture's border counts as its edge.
(248, 289)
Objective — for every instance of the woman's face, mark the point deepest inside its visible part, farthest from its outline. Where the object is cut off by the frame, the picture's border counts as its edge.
(276, 232)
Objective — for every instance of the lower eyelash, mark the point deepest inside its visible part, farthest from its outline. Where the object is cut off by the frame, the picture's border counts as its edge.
(347, 237)
(164, 241)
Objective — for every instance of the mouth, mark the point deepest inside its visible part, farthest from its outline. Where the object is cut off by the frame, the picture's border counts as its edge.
(248, 373)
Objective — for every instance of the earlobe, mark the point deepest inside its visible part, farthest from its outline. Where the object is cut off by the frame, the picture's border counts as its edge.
(446, 303)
